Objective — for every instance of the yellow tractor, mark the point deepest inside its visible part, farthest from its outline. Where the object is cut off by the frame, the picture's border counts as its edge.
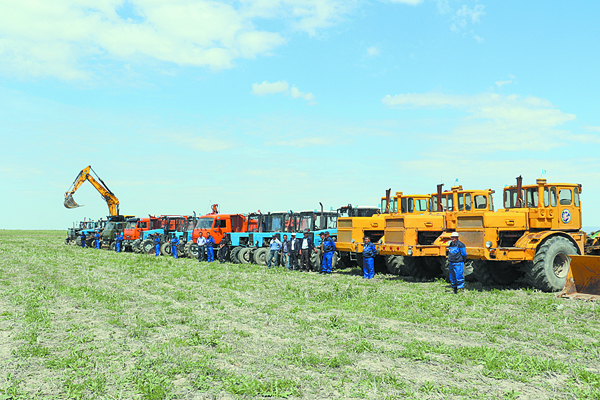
(412, 240)
(535, 233)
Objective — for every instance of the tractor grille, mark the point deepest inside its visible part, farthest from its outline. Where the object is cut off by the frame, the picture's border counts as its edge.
(394, 237)
(395, 223)
(344, 236)
(344, 223)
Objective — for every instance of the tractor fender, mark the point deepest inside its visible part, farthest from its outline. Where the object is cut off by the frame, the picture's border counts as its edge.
(533, 240)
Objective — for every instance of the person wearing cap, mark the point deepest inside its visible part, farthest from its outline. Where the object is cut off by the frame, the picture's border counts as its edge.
(174, 244)
(306, 248)
(275, 247)
(294, 252)
(156, 245)
(457, 255)
(368, 253)
(328, 250)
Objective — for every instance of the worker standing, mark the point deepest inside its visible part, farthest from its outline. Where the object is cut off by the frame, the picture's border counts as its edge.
(210, 242)
(201, 242)
(457, 255)
(96, 240)
(174, 244)
(82, 239)
(118, 242)
(307, 246)
(223, 246)
(156, 244)
(328, 250)
(369, 252)
(285, 252)
(274, 248)
(294, 251)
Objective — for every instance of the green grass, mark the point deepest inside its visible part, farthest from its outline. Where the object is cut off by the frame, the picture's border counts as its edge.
(86, 324)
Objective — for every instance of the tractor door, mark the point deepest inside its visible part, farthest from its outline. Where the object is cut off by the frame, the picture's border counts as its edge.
(569, 207)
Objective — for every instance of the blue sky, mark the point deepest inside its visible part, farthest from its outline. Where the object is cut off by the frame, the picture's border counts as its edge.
(282, 104)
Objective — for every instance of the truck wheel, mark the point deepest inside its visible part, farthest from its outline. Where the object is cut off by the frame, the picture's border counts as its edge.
(89, 242)
(315, 261)
(245, 255)
(340, 261)
(192, 249)
(136, 246)
(550, 266)
(260, 256)
(113, 246)
(147, 246)
(393, 264)
(78, 241)
(495, 272)
(233, 255)
(165, 249)
(422, 267)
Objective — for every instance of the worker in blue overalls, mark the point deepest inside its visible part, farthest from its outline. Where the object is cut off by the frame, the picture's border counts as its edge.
(83, 239)
(457, 255)
(369, 252)
(97, 240)
(328, 250)
(118, 242)
(174, 244)
(156, 244)
(210, 242)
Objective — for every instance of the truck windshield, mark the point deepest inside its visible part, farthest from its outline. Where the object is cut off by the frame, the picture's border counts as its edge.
(131, 225)
(205, 223)
(110, 226)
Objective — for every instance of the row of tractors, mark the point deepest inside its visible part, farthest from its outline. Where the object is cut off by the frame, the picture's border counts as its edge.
(249, 235)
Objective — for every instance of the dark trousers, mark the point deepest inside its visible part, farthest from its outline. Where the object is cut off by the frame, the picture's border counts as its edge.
(293, 260)
(201, 253)
(305, 260)
(222, 254)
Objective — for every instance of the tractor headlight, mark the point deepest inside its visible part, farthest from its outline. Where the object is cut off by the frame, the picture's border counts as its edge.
(352, 241)
(488, 244)
(410, 252)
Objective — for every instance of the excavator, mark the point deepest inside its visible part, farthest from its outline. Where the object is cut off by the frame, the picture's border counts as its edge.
(105, 192)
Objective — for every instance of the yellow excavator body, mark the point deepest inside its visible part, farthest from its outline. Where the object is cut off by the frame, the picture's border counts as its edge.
(583, 279)
(105, 192)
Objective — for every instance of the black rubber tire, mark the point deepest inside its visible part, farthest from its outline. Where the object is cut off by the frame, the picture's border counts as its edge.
(165, 249)
(181, 250)
(78, 241)
(89, 242)
(467, 271)
(233, 255)
(315, 261)
(260, 256)
(113, 246)
(550, 266)
(340, 261)
(192, 249)
(495, 272)
(147, 246)
(393, 264)
(136, 246)
(423, 267)
(245, 255)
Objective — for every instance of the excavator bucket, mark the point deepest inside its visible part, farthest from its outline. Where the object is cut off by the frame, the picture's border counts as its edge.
(70, 202)
(583, 280)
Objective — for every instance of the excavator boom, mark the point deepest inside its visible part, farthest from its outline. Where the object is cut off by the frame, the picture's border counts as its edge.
(105, 192)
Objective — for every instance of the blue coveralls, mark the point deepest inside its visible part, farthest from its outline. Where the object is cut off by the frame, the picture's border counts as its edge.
(457, 255)
(97, 241)
(118, 241)
(83, 240)
(174, 244)
(328, 249)
(157, 246)
(210, 242)
(369, 251)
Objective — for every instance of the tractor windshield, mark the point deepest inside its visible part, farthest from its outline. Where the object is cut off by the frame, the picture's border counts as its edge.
(110, 226)
(205, 223)
(305, 222)
(131, 225)
(365, 212)
(275, 222)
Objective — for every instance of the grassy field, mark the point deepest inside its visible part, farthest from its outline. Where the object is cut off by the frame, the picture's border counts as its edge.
(93, 324)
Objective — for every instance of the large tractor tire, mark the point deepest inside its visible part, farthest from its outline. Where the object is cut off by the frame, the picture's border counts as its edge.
(136, 246)
(147, 246)
(89, 242)
(245, 255)
(192, 249)
(468, 270)
(78, 241)
(399, 265)
(423, 267)
(550, 266)
(340, 260)
(113, 246)
(260, 256)
(233, 255)
(181, 250)
(165, 249)
(491, 273)
(315, 260)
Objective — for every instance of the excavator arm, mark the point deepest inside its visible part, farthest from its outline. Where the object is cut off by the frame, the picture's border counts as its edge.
(105, 192)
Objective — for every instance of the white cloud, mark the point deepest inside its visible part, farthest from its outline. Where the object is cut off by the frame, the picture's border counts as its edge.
(69, 38)
(409, 2)
(373, 51)
(464, 16)
(502, 83)
(497, 122)
(306, 142)
(269, 88)
(265, 87)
